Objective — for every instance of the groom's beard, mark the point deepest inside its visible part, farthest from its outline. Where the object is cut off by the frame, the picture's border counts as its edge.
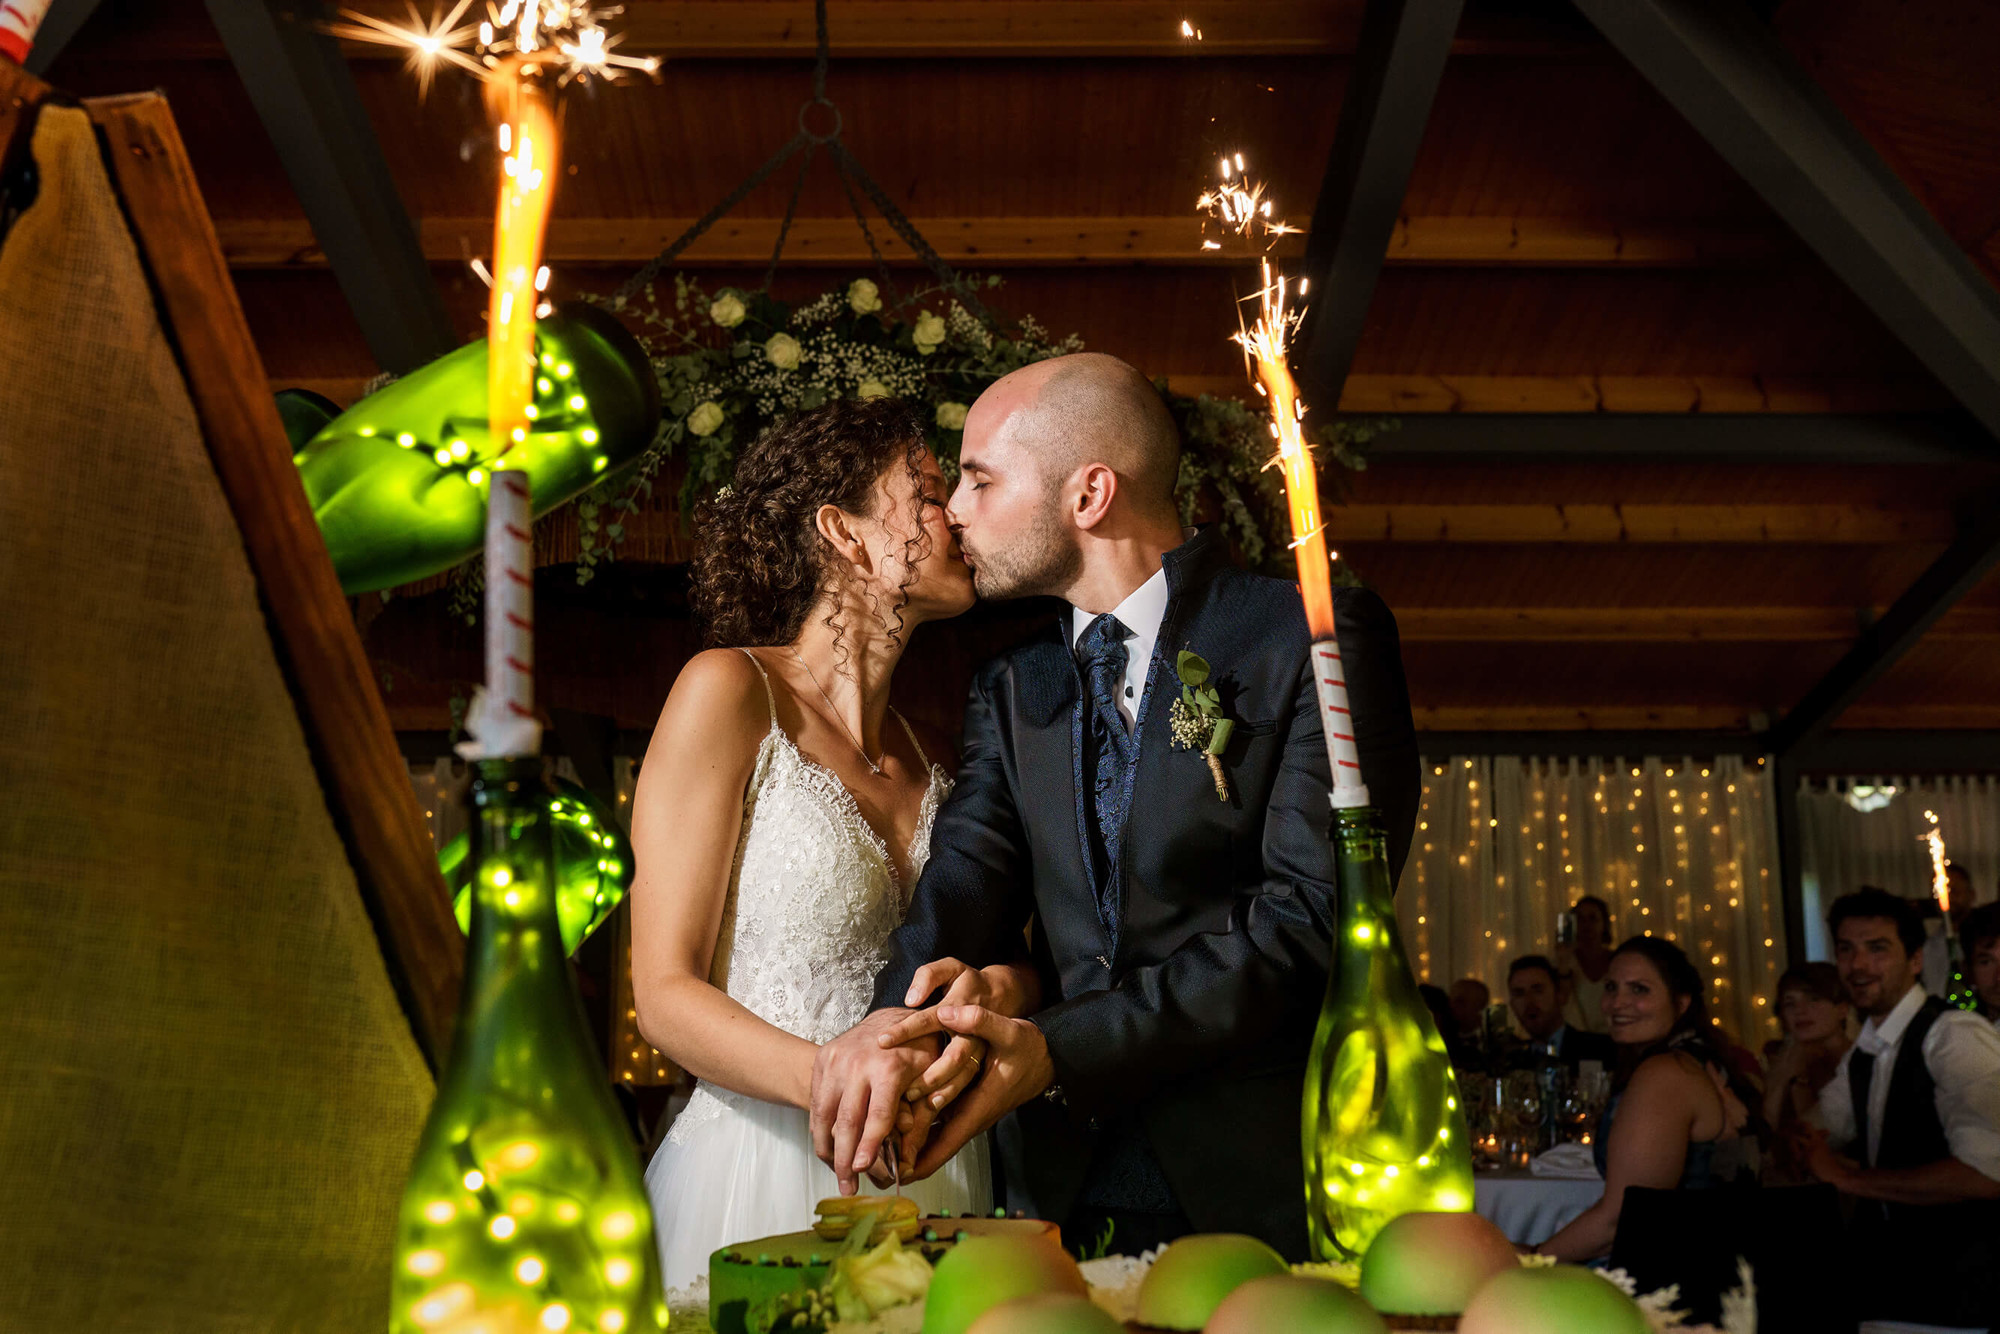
(1043, 561)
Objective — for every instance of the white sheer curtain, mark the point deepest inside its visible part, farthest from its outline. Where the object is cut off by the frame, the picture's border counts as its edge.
(1685, 849)
(1845, 848)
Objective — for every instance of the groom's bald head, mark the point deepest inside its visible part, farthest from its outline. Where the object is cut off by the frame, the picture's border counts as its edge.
(1087, 408)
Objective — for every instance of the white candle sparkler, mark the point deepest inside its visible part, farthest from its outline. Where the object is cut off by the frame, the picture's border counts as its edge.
(1240, 207)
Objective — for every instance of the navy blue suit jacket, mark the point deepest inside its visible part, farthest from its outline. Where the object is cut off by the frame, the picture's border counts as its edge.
(1198, 1016)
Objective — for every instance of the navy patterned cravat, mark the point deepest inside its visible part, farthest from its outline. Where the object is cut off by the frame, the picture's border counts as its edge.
(1109, 748)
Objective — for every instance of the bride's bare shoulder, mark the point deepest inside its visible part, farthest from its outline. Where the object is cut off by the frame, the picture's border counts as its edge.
(719, 697)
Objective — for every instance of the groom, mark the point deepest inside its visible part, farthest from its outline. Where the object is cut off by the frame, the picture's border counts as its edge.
(1182, 941)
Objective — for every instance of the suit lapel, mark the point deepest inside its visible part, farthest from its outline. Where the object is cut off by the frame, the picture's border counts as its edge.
(1049, 756)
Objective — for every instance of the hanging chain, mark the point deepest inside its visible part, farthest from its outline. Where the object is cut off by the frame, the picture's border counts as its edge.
(851, 174)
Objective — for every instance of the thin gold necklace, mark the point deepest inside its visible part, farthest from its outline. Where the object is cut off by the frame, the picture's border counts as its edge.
(839, 721)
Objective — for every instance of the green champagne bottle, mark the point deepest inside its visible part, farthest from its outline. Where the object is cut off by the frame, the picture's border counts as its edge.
(1384, 1129)
(525, 1209)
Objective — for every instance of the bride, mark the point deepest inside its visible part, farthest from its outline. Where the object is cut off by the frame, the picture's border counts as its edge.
(783, 815)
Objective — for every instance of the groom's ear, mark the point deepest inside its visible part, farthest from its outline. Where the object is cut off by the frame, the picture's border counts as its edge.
(836, 527)
(1096, 487)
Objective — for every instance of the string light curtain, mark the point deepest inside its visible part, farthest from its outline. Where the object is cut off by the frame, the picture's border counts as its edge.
(1849, 840)
(1685, 849)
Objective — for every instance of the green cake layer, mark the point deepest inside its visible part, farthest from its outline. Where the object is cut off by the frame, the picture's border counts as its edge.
(743, 1276)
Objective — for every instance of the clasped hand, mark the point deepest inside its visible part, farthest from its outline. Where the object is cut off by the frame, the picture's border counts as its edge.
(896, 1071)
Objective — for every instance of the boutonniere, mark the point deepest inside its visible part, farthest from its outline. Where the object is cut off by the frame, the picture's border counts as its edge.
(1196, 720)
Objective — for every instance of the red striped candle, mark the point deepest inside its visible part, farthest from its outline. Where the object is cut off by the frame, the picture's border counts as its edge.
(510, 616)
(1331, 677)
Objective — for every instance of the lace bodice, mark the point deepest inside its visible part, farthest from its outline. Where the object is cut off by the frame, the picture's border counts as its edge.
(813, 895)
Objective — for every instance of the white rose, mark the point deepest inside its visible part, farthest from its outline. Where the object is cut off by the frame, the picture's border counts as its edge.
(782, 351)
(951, 416)
(928, 333)
(728, 310)
(872, 389)
(705, 419)
(863, 296)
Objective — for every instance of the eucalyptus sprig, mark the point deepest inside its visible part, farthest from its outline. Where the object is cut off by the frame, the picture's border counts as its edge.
(1196, 721)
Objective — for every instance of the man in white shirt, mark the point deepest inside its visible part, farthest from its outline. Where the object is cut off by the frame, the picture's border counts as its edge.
(1979, 934)
(1915, 1104)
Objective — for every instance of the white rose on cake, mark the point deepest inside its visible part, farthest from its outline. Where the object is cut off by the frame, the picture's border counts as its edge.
(705, 419)
(863, 297)
(928, 333)
(728, 310)
(782, 351)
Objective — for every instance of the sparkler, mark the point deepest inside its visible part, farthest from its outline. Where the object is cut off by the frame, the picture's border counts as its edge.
(569, 33)
(1940, 882)
(1240, 207)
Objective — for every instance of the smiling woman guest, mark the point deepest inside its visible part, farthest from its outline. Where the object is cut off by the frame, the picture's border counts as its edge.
(1674, 1119)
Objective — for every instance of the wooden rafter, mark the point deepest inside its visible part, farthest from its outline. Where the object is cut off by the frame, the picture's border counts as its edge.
(303, 92)
(1519, 242)
(1481, 397)
(956, 29)
(1663, 625)
(1399, 59)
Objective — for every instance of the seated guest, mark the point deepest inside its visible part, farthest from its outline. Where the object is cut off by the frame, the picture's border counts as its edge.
(1980, 937)
(1469, 999)
(1812, 1006)
(1536, 996)
(1583, 964)
(1912, 1119)
(1674, 1119)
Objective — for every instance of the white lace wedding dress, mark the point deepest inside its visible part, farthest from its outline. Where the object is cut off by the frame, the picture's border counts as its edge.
(806, 926)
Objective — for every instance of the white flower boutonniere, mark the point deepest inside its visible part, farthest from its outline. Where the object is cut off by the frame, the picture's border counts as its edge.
(1195, 719)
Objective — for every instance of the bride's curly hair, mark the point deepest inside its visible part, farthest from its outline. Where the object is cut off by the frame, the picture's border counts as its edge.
(760, 564)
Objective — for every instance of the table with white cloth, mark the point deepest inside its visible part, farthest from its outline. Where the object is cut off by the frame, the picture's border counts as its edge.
(1530, 1209)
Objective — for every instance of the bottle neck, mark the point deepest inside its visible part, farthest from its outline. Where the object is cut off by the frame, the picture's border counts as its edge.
(515, 937)
(1362, 850)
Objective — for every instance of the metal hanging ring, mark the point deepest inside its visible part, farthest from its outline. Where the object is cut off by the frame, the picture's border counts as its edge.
(806, 130)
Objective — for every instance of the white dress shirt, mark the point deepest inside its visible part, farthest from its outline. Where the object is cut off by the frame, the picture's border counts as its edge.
(1963, 1054)
(1141, 614)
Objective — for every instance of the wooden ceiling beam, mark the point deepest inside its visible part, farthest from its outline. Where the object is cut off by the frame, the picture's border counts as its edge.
(62, 22)
(1641, 524)
(1491, 242)
(1477, 403)
(1724, 70)
(1399, 59)
(1663, 625)
(306, 98)
(1964, 564)
(949, 29)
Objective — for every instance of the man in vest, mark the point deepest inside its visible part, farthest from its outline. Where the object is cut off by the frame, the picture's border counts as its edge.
(1912, 1119)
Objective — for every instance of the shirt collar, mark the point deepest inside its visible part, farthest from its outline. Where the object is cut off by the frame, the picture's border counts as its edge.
(1140, 613)
(1878, 1037)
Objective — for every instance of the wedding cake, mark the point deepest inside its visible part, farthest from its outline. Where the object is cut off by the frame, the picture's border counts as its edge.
(749, 1279)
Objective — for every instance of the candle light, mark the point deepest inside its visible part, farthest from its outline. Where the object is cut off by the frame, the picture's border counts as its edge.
(525, 122)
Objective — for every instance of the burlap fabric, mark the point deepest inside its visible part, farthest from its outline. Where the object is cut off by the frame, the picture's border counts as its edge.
(210, 1094)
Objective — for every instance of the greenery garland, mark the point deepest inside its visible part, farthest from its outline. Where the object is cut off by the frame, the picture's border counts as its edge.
(732, 362)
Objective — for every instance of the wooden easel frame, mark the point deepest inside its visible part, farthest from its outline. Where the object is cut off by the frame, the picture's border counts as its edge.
(347, 728)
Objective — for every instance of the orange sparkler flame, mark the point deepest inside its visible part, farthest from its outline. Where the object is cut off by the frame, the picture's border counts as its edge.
(521, 104)
(1240, 207)
(1940, 882)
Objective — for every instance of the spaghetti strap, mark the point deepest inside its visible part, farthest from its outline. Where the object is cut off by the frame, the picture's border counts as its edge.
(770, 698)
(911, 733)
